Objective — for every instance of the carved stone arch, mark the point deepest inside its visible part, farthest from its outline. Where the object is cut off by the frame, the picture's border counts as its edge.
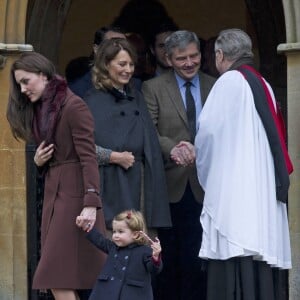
(268, 20)
(45, 22)
(292, 20)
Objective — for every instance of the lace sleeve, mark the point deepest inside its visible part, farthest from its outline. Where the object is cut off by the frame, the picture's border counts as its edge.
(103, 155)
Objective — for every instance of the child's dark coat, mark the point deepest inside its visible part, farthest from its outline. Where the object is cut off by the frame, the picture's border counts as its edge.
(126, 273)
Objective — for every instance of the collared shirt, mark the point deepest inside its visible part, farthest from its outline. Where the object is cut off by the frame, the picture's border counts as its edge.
(195, 90)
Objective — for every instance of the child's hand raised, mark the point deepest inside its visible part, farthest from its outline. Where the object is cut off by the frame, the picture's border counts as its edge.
(156, 249)
(155, 245)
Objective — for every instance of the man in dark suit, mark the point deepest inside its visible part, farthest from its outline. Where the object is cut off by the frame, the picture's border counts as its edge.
(175, 100)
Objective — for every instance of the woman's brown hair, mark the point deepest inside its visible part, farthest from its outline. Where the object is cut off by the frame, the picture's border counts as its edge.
(19, 109)
(107, 51)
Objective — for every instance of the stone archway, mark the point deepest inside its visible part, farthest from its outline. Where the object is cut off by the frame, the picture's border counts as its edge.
(275, 23)
(45, 22)
(45, 19)
(268, 19)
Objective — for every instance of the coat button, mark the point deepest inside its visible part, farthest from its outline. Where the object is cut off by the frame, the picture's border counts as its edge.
(136, 112)
(126, 257)
(124, 268)
(112, 278)
(122, 113)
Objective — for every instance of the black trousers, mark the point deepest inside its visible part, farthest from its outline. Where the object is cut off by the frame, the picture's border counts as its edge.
(182, 277)
(84, 294)
(243, 278)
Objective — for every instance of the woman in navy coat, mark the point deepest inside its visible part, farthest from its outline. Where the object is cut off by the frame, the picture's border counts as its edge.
(130, 262)
(123, 125)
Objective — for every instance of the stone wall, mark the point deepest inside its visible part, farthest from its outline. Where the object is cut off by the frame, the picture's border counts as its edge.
(13, 271)
(292, 51)
(13, 257)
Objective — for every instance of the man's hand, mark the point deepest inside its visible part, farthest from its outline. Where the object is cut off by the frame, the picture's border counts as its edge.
(183, 153)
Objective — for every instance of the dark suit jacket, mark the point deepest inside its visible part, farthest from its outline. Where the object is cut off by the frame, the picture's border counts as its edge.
(126, 274)
(168, 113)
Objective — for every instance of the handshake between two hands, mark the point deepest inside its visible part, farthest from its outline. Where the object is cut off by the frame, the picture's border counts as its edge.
(183, 154)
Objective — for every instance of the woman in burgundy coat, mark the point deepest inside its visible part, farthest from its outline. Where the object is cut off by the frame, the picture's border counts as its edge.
(42, 109)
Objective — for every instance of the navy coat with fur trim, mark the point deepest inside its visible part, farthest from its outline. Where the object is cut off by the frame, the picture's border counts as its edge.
(126, 273)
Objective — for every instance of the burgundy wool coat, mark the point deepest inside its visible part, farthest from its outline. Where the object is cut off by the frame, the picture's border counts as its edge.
(68, 260)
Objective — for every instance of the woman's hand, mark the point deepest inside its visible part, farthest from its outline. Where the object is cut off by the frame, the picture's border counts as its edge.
(87, 218)
(124, 159)
(43, 154)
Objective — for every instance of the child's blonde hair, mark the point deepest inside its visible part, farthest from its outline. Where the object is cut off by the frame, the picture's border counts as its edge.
(135, 222)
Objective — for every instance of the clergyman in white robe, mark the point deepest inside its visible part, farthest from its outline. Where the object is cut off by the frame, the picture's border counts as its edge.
(241, 215)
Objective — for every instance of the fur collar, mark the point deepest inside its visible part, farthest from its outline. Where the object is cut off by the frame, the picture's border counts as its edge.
(47, 110)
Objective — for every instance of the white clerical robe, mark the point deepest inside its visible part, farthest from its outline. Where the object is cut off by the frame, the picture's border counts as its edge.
(240, 215)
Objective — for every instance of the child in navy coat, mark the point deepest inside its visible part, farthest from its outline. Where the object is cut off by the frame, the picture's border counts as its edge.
(130, 261)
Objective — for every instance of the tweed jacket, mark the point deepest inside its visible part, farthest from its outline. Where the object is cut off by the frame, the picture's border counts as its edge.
(168, 113)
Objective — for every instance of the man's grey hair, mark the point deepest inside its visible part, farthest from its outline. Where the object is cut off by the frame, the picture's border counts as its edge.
(235, 44)
(180, 39)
